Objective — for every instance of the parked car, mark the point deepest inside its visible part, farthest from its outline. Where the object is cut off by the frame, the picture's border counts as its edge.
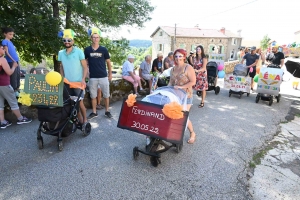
(22, 73)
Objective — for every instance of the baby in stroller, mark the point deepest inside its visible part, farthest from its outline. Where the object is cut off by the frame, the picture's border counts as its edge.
(61, 121)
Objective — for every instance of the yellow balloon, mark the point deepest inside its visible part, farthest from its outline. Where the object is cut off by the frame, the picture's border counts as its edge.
(53, 78)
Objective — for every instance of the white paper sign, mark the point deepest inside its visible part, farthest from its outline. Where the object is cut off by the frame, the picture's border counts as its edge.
(237, 83)
(218, 58)
(269, 81)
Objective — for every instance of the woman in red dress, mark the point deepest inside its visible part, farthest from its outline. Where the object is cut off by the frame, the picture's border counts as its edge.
(199, 64)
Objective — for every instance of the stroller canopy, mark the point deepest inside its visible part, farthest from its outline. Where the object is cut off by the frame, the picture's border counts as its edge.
(240, 70)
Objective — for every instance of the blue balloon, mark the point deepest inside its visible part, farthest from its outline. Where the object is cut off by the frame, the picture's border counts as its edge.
(221, 74)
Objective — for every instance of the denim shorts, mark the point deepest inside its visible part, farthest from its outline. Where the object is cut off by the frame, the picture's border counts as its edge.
(189, 100)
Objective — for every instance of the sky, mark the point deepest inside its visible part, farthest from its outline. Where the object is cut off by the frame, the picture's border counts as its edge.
(256, 18)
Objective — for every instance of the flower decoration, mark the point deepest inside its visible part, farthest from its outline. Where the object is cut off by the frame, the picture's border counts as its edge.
(24, 99)
(173, 110)
(131, 100)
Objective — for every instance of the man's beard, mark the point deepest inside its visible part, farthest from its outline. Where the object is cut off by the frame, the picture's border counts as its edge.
(67, 47)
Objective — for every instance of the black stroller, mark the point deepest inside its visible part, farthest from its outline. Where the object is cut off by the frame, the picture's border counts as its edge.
(212, 75)
(61, 121)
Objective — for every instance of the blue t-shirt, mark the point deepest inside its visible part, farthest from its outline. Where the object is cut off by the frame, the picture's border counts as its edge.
(97, 61)
(126, 68)
(250, 59)
(72, 64)
(11, 50)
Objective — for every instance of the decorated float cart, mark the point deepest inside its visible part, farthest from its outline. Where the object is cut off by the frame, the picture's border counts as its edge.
(57, 110)
(238, 83)
(268, 84)
(159, 116)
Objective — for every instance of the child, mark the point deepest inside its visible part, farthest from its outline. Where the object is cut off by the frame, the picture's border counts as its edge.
(11, 57)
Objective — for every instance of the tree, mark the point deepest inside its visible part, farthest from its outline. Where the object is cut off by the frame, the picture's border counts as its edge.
(37, 23)
(264, 43)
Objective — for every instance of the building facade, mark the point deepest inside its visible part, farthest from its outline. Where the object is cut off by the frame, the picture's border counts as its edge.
(166, 39)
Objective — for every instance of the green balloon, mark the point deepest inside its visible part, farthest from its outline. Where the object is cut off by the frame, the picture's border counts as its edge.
(255, 78)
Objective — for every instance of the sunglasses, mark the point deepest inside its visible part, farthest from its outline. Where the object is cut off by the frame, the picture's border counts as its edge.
(67, 40)
(178, 56)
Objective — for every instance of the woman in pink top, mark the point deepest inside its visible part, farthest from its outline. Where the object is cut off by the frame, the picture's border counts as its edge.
(183, 77)
(7, 92)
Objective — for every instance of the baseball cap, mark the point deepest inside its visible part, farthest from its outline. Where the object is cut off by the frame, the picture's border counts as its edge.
(130, 56)
(253, 48)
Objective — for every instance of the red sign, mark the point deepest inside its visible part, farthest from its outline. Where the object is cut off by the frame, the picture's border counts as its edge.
(148, 119)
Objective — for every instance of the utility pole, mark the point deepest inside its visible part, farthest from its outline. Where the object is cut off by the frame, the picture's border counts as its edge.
(174, 39)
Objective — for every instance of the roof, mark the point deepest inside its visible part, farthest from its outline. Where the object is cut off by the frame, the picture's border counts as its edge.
(194, 32)
(297, 32)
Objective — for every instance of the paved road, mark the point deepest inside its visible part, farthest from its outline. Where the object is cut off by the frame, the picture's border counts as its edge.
(101, 166)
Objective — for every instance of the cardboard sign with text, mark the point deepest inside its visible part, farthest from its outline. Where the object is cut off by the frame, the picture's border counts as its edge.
(148, 119)
(269, 81)
(218, 58)
(41, 92)
(237, 83)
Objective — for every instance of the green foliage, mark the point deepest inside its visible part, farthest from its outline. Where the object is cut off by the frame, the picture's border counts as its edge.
(264, 43)
(37, 22)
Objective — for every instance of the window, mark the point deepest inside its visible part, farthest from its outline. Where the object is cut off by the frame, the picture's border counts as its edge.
(234, 41)
(193, 47)
(212, 40)
(182, 46)
(160, 47)
(220, 40)
(160, 33)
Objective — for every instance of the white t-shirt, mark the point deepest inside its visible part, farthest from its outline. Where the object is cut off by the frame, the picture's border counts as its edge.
(127, 67)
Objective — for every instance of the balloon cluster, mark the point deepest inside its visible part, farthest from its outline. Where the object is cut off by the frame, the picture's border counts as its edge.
(221, 73)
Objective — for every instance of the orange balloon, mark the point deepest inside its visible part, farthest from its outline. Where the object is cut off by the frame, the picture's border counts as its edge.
(257, 70)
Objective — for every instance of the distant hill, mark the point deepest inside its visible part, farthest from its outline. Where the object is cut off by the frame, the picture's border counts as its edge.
(140, 43)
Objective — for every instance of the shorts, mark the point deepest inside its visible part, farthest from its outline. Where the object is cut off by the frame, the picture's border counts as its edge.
(94, 84)
(189, 100)
(252, 74)
(147, 76)
(8, 93)
(74, 91)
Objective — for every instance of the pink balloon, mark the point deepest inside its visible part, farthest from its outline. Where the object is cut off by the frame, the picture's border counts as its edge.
(220, 67)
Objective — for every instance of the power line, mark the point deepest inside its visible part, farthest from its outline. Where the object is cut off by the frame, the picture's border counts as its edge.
(233, 8)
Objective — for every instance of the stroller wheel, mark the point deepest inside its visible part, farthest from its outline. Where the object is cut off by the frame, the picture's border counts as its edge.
(178, 147)
(217, 90)
(248, 94)
(271, 101)
(40, 142)
(257, 99)
(135, 153)
(86, 129)
(154, 161)
(199, 93)
(60, 145)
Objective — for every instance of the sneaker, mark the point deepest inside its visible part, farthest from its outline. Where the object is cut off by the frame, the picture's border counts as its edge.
(25, 120)
(107, 114)
(92, 115)
(6, 124)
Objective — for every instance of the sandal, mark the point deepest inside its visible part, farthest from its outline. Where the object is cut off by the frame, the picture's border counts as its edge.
(99, 107)
(192, 139)
(201, 105)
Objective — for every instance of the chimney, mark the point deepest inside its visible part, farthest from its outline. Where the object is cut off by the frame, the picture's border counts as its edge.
(222, 30)
(239, 33)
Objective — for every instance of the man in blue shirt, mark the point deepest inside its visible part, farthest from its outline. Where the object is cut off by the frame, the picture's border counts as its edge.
(97, 58)
(251, 60)
(74, 68)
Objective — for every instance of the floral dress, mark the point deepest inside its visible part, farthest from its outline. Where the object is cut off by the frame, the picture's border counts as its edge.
(201, 77)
